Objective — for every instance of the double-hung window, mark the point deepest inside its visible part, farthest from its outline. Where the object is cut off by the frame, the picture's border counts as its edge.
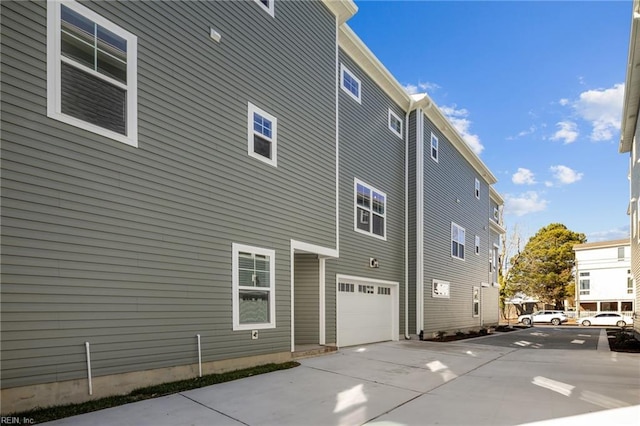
(434, 147)
(350, 83)
(395, 123)
(253, 279)
(457, 241)
(475, 296)
(91, 72)
(477, 188)
(262, 135)
(477, 244)
(370, 210)
(585, 283)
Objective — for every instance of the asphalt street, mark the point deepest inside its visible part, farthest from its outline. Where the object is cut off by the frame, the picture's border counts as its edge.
(545, 337)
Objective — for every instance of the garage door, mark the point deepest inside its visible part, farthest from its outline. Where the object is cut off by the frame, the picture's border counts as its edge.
(366, 312)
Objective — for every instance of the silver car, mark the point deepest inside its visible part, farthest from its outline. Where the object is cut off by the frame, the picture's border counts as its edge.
(546, 316)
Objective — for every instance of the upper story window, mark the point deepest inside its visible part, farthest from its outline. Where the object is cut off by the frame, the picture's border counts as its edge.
(477, 245)
(262, 135)
(395, 124)
(434, 147)
(477, 188)
(457, 241)
(620, 254)
(91, 72)
(268, 5)
(370, 210)
(629, 283)
(350, 83)
(496, 214)
(253, 279)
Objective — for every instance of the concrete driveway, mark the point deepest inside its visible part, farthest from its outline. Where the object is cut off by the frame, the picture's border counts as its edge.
(492, 380)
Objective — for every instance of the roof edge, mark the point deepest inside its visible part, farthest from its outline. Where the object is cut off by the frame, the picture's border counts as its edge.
(342, 9)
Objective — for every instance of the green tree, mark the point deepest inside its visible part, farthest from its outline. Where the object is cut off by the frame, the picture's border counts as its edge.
(544, 269)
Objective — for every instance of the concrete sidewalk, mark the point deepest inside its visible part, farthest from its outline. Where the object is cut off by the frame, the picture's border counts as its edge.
(470, 382)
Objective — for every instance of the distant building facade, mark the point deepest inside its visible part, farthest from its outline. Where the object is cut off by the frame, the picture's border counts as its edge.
(603, 277)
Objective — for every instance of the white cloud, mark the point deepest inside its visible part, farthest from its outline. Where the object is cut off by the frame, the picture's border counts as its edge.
(565, 175)
(564, 101)
(608, 235)
(523, 177)
(520, 205)
(413, 89)
(458, 118)
(602, 109)
(567, 132)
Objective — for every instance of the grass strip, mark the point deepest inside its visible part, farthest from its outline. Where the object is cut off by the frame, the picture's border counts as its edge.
(40, 415)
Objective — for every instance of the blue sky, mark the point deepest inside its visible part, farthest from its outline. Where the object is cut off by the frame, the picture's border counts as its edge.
(535, 88)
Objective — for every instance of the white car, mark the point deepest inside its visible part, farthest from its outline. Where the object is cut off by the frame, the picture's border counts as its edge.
(547, 316)
(611, 319)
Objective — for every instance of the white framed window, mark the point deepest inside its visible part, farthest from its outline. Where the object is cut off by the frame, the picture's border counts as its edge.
(434, 147)
(477, 188)
(350, 83)
(267, 5)
(367, 289)
(395, 124)
(477, 244)
(620, 254)
(584, 283)
(457, 241)
(253, 281)
(475, 299)
(496, 214)
(262, 135)
(440, 289)
(370, 207)
(385, 291)
(346, 287)
(91, 72)
(629, 283)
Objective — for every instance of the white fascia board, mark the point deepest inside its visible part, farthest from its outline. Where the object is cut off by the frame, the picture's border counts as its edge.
(632, 85)
(360, 53)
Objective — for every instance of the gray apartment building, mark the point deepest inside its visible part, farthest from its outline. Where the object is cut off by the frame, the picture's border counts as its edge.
(195, 187)
(629, 132)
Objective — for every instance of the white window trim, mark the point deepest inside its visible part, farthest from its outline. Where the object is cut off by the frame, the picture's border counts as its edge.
(269, 9)
(393, 115)
(477, 188)
(236, 249)
(474, 302)
(355, 210)
(344, 70)
(441, 289)
(453, 224)
(437, 147)
(477, 245)
(251, 109)
(54, 59)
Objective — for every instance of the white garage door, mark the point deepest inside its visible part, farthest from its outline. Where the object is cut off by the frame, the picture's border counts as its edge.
(366, 312)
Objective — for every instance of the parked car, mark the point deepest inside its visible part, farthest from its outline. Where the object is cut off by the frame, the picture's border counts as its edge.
(547, 316)
(606, 319)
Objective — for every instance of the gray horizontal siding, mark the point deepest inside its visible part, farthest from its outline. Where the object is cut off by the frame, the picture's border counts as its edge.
(307, 297)
(130, 249)
(373, 154)
(412, 252)
(446, 182)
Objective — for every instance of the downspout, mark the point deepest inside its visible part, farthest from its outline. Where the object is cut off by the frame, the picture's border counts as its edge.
(406, 222)
(420, 216)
